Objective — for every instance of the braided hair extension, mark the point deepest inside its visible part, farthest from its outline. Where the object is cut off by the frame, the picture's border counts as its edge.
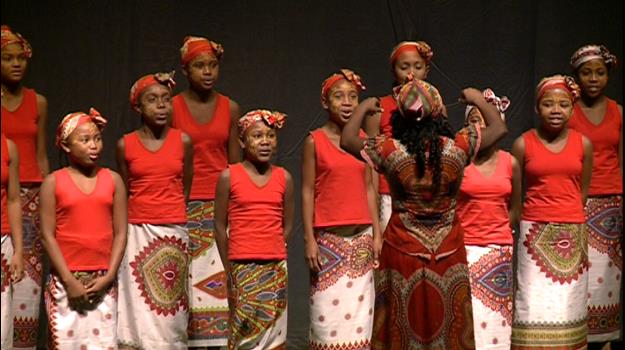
(421, 137)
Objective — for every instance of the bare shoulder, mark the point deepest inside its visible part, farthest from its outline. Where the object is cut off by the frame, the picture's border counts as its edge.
(186, 139)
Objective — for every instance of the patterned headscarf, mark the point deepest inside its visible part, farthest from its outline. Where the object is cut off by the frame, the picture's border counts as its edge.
(502, 103)
(563, 82)
(9, 37)
(193, 46)
(591, 52)
(346, 74)
(418, 99)
(421, 47)
(166, 79)
(73, 120)
(273, 119)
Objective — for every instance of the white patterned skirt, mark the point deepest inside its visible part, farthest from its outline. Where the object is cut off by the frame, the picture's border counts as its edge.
(342, 293)
(490, 275)
(90, 325)
(604, 225)
(550, 306)
(153, 304)
(6, 295)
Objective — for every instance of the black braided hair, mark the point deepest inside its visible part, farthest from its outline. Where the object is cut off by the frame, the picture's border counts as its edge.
(421, 137)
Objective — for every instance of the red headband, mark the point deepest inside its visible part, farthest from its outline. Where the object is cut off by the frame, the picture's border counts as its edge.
(421, 47)
(346, 74)
(166, 79)
(194, 46)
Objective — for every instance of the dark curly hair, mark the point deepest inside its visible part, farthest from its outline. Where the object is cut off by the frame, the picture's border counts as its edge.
(421, 137)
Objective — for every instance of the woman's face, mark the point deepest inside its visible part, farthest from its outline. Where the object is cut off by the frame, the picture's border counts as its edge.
(203, 72)
(341, 101)
(155, 105)
(593, 77)
(84, 144)
(410, 62)
(555, 108)
(14, 63)
(259, 142)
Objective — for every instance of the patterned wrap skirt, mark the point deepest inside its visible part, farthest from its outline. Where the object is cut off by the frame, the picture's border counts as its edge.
(342, 293)
(27, 292)
(153, 304)
(550, 305)
(6, 295)
(208, 292)
(422, 304)
(258, 296)
(91, 325)
(604, 226)
(490, 272)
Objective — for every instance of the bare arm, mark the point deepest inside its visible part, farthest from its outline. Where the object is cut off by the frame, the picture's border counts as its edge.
(120, 230)
(76, 292)
(234, 148)
(372, 125)
(42, 150)
(350, 139)
(14, 209)
(518, 151)
(122, 167)
(187, 169)
(289, 207)
(495, 127)
(515, 205)
(222, 197)
(586, 168)
(308, 204)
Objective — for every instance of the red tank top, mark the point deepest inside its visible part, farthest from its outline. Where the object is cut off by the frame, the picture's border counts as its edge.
(6, 230)
(84, 222)
(553, 180)
(389, 106)
(484, 202)
(156, 192)
(605, 137)
(339, 183)
(210, 144)
(255, 216)
(20, 126)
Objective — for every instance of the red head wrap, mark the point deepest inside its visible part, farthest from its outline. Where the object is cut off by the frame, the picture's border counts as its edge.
(417, 99)
(591, 52)
(421, 47)
(166, 79)
(9, 37)
(194, 46)
(346, 74)
(73, 120)
(563, 82)
(273, 119)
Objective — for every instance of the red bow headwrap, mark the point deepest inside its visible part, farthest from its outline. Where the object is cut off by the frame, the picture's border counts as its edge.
(273, 119)
(194, 46)
(346, 74)
(73, 120)
(166, 79)
(9, 37)
(563, 82)
(591, 52)
(421, 47)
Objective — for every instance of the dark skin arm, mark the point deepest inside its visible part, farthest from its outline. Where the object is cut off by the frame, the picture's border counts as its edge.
(495, 127)
(234, 149)
(515, 205)
(120, 229)
(372, 201)
(350, 139)
(76, 292)
(289, 207)
(518, 151)
(308, 204)
(42, 119)
(222, 197)
(586, 168)
(122, 167)
(187, 168)
(14, 209)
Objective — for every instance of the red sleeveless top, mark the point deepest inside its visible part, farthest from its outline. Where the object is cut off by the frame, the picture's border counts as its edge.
(255, 216)
(339, 183)
(20, 126)
(210, 144)
(553, 180)
(605, 137)
(6, 230)
(389, 106)
(84, 222)
(484, 202)
(156, 191)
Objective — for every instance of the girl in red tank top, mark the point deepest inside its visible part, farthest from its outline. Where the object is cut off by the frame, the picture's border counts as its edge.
(255, 200)
(600, 119)
(210, 120)
(83, 229)
(24, 116)
(407, 58)
(339, 213)
(484, 210)
(551, 294)
(156, 163)
(12, 241)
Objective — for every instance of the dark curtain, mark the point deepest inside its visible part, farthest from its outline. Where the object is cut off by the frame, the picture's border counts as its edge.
(277, 53)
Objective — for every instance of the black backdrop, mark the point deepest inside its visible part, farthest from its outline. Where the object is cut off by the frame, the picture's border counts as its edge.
(277, 53)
